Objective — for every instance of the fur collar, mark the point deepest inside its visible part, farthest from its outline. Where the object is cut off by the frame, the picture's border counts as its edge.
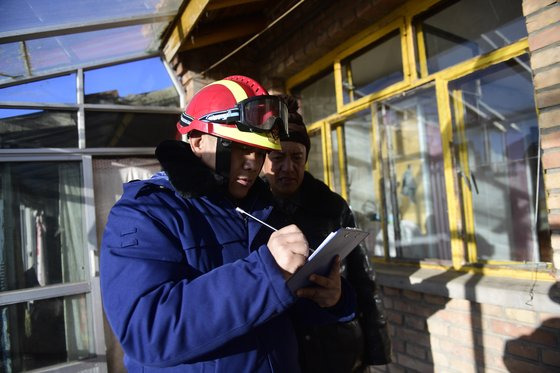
(186, 172)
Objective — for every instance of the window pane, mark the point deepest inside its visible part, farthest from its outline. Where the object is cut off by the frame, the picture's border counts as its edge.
(362, 195)
(142, 83)
(41, 224)
(498, 136)
(44, 332)
(317, 98)
(23, 128)
(56, 90)
(121, 129)
(414, 184)
(315, 159)
(379, 66)
(469, 28)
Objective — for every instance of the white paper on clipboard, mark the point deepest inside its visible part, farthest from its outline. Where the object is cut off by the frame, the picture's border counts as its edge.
(340, 242)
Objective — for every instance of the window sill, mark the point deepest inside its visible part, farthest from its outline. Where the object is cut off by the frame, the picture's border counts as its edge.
(508, 292)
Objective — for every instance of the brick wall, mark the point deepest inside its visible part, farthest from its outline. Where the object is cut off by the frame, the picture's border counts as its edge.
(433, 333)
(543, 25)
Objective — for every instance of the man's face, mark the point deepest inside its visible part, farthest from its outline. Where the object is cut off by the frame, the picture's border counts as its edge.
(245, 166)
(284, 169)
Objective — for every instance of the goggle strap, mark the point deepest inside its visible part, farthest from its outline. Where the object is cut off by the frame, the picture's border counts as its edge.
(185, 120)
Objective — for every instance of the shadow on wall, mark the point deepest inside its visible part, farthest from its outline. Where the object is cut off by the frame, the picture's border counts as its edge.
(538, 351)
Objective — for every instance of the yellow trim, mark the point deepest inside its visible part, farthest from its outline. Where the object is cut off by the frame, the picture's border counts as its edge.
(339, 90)
(446, 131)
(265, 141)
(328, 153)
(463, 165)
(377, 176)
(341, 163)
(236, 90)
(410, 46)
(461, 250)
(421, 51)
(183, 27)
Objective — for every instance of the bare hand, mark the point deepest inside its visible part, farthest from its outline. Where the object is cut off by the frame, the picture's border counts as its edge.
(328, 291)
(289, 248)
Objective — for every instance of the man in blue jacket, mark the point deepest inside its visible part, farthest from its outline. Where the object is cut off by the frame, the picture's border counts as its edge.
(189, 284)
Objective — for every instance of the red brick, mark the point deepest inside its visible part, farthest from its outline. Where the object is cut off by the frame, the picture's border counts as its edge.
(551, 357)
(434, 299)
(531, 6)
(522, 349)
(412, 295)
(542, 19)
(551, 160)
(543, 337)
(548, 98)
(554, 221)
(545, 57)
(549, 118)
(414, 364)
(516, 365)
(415, 322)
(551, 140)
(394, 317)
(416, 351)
(509, 329)
(547, 78)
(544, 37)
(553, 201)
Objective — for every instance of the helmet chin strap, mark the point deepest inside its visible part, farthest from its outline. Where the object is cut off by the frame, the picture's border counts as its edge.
(223, 157)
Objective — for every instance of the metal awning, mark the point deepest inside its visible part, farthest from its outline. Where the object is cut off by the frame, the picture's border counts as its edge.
(39, 37)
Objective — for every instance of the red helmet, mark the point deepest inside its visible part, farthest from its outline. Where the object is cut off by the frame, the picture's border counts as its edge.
(239, 109)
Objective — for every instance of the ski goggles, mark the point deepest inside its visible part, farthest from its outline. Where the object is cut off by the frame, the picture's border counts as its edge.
(254, 114)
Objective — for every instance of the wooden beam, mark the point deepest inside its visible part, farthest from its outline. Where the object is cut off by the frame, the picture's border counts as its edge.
(220, 4)
(183, 27)
(221, 33)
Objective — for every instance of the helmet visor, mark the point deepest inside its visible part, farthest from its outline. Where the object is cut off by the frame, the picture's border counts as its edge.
(254, 114)
(262, 113)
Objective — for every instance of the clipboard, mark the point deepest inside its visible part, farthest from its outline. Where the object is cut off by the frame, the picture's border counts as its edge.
(340, 242)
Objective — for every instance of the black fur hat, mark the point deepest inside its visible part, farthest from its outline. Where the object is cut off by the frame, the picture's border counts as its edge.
(296, 127)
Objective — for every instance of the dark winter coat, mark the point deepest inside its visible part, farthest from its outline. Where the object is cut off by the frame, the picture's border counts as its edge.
(318, 211)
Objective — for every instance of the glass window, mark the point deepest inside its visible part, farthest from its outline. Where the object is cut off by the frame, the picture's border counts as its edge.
(464, 29)
(24, 128)
(413, 177)
(41, 224)
(127, 129)
(61, 89)
(370, 70)
(317, 98)
(315, 159)
(336, 135)
(45, 332)
(363, 197)
(496, 147)
(140, 83)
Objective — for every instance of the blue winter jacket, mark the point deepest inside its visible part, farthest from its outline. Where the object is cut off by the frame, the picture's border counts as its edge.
(188, 285)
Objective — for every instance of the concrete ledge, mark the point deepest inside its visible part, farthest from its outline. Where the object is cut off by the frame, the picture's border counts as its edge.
(515, 293)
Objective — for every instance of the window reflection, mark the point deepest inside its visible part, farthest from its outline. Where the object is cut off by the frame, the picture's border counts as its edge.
(128, 129)
(464, 29)
(40, 333)
(23, 128)
(41, 216)
(318, 98)
(61, 89)
(315, 159)
(140, 83)
(413, 177)
(363, 197)
(379, 66)
(497, 145)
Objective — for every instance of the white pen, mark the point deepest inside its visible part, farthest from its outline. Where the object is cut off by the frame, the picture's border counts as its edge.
(240, 210)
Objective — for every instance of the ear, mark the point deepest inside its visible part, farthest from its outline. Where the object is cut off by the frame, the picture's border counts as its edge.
(196, 142)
